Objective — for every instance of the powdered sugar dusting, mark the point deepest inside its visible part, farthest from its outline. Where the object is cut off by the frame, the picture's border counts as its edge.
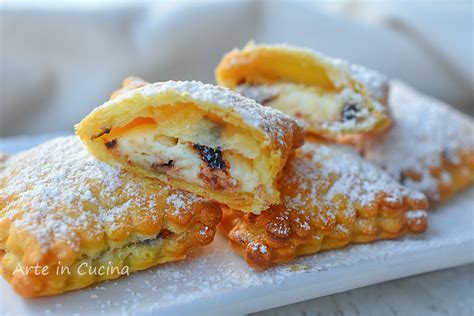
(213, 277)
(57, 189)
(260, 248)
(180, 203)
(53, 177)
(274, 123)
(425, 130)
(416, 214)
(339, 170)
(375, 82)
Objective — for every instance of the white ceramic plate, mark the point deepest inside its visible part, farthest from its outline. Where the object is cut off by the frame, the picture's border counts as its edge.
(216, 281)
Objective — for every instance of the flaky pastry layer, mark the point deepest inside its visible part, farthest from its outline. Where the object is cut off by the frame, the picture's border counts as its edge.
(60, 207)
(197, 137)
(332, 98)
(330, 197)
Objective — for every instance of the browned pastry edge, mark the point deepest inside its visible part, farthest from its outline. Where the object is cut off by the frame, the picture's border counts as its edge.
(173, 247)
(284, 238)
(462, 175)
(61, 207)
(461, 172)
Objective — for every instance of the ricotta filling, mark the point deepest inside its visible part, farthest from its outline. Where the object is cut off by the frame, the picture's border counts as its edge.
(184, 160)
(311, 103)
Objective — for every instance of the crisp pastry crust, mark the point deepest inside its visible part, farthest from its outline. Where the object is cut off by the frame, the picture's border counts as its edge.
(330, 197)
(60, 207)
(430, 147)
(332, 98)
(194, 136)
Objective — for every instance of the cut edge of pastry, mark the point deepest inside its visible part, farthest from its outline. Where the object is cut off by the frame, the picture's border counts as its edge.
(195, 136)
(351, 99)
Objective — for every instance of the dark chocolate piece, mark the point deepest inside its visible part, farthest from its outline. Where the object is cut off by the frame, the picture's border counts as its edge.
(169, 164)
(213, 157)
(111, 144)
(349, 112)
(166, 165)
(104, 131)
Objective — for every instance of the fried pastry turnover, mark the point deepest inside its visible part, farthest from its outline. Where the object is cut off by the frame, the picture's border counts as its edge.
(430, 147)
(194, 136)
(331, 97)
(82, 221)
(330, 197)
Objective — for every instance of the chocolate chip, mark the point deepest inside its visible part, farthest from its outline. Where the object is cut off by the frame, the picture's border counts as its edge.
(166, 165)
(213, 157)
(111, 144)
(104, 131)
(169, 164)
(349, 112)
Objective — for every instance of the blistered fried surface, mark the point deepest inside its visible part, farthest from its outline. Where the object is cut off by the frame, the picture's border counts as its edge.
(331, 197)
(59, 205)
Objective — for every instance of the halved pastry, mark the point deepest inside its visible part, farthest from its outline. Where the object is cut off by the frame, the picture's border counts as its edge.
(332, 97)
(430, 148)
(330, 197)
(194, 136)
(68, 220)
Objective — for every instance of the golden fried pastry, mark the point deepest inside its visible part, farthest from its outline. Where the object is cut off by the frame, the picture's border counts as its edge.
(430, 148)
(332, 98)
(68, 220)
(330, 197)
(194, 136)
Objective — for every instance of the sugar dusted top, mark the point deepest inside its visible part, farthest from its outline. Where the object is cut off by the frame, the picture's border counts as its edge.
(330, 185)
(276, 125)
(375, 82)
(356, 177)
(59, 194)
(425, 131)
